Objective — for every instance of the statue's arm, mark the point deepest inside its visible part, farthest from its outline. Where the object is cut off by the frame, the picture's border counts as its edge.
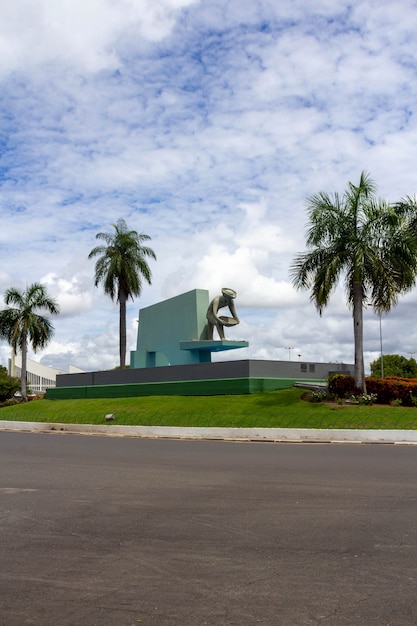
(233, 311)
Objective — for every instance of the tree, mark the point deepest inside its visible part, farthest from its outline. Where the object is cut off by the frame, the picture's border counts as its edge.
(8, 384)
(23, 325)
(367, 241)
(395, 365)
(121, 266)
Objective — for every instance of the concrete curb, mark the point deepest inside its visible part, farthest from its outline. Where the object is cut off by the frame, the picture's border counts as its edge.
(290, 435)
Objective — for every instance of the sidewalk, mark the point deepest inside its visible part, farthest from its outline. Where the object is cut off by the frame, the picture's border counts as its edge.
(290, 435)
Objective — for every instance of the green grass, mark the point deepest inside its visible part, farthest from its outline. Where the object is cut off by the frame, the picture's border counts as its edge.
(272, 409)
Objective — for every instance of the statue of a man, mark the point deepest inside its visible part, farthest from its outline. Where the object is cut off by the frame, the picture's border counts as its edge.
(214, 320)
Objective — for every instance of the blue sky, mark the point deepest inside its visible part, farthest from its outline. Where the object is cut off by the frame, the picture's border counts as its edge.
(205, 124)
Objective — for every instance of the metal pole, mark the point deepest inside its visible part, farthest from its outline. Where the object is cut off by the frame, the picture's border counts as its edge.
(380, 341)
(289, 352)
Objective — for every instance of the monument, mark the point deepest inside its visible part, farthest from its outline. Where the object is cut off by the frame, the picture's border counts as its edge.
(175, 341)
(179, 330)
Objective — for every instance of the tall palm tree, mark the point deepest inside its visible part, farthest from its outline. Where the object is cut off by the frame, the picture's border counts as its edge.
(121, 266)
(22, 323)
(367, 241)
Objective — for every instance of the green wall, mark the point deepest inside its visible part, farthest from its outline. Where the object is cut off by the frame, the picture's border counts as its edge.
(223, 386)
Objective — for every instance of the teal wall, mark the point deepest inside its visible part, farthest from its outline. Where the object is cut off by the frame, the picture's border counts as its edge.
(164, 325)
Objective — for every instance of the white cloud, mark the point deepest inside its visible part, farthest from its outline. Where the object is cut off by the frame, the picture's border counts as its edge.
(72, 297)
(205, 125)
(83, 34)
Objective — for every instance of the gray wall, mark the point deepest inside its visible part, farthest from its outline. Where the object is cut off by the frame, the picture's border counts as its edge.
(206, 371)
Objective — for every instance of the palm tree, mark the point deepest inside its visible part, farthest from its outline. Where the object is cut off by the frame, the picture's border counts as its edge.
(22, 324)
(121, 267)
(367, 241)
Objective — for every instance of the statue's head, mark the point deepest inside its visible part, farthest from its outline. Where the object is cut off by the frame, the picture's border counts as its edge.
(229, 293)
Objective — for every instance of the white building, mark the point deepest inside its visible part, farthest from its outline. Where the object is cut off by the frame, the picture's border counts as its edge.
(39, 377)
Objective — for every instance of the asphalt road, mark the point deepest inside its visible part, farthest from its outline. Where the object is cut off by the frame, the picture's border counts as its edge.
(119, 532)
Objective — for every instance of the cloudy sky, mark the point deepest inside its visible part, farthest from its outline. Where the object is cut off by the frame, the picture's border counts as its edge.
(205, 124)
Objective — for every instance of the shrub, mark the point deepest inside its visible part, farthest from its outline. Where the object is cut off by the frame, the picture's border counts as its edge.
(8, 385)
(396, 402)
(318, 396)
(367, 398)
(393, 388)
(10, 402)
(341, 385)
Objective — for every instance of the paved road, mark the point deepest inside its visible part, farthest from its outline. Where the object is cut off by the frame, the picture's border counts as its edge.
(119, 532)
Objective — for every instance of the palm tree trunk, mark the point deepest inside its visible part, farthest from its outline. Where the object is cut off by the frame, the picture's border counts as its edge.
(358, 335)
(23, 373)
(122, 330)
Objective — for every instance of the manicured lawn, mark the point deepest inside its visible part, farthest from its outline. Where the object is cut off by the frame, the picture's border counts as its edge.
(283, 409)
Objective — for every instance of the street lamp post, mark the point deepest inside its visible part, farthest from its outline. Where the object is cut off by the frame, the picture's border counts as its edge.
(289, 352)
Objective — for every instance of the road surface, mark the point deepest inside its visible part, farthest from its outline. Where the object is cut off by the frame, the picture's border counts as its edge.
(124, 531)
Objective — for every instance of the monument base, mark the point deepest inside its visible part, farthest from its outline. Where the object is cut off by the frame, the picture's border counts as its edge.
(225, 377)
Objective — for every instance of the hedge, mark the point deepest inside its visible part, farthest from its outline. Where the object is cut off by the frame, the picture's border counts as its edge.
(393, 388)
(386, 390)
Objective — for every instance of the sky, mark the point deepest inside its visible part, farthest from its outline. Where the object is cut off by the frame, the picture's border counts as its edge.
(205, 124)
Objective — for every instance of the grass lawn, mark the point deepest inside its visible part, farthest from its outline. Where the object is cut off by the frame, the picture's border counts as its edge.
(273, 409)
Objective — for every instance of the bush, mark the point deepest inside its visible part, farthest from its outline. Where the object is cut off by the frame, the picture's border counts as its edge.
(8, 385)
(341, 385)
(402, 391)
(367, 398)
(10, 402)
(318, 396)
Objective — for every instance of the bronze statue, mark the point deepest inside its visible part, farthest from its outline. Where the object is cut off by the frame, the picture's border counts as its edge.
(219, 321)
